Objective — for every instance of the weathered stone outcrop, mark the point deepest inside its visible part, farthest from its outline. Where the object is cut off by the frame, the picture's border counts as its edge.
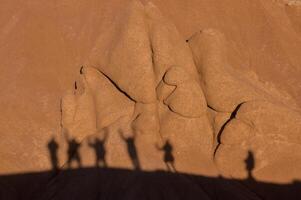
(150, 84)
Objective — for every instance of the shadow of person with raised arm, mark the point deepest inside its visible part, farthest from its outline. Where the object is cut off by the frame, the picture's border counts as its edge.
(99, 148)
(250, 165)
(72, 151)
(132, 150)
(53, 149)
(168, 156)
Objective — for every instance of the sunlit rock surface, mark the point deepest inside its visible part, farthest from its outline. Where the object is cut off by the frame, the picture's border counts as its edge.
(196, 89)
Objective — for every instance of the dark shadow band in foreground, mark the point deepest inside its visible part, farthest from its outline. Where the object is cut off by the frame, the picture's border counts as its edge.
(114, 184)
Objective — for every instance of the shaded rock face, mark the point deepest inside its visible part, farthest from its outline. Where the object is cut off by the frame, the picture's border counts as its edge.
(145, 82)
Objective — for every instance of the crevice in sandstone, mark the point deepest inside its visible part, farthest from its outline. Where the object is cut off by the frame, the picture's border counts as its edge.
(117, 87)
(61, 114)
(232, 116)
(216, 110)
(75, 85)
(186, 116)
(170, 109)
(212, 108)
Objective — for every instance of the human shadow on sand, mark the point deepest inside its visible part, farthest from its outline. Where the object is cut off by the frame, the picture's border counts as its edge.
(131, 148)
(98, 145)
(102, 182)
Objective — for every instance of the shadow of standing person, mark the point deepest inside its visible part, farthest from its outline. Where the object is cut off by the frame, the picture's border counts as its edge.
(132, 150)
(250, 164)
(168, 156)
(100, 151)
(53, 148)
(73, 151)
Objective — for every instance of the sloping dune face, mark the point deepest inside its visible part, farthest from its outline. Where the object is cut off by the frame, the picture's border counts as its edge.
(209, 81)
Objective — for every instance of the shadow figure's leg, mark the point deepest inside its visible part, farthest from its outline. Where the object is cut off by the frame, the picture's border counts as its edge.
(137, 165)
(104, 163)
(173, 167)
(78, 160)
(79, 163)
(168, 167)
(69, 163)
(55, 168)
(70, 159)
(97, 162)
(54, 162)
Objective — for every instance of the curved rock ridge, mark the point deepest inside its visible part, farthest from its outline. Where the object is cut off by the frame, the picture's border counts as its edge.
(147, 83)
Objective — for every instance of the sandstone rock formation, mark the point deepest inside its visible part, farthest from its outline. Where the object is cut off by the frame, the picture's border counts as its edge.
(211, 87)
(262, 119)
(155, 93)
(184, 92)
